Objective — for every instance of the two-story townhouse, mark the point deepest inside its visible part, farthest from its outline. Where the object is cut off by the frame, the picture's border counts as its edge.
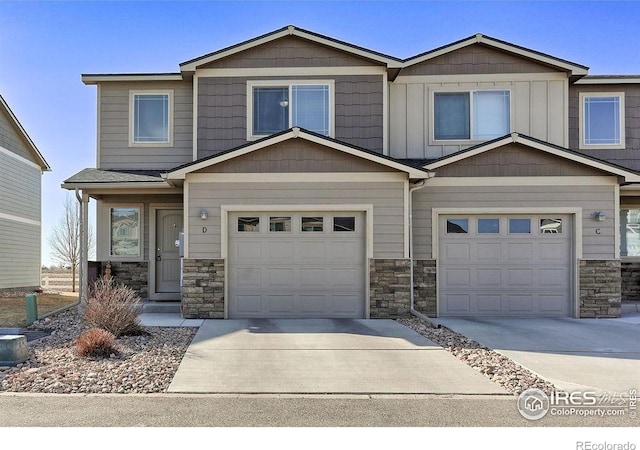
(315, 178)
(21, 169)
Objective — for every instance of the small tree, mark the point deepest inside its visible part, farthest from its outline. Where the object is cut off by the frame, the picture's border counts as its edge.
(65, 238)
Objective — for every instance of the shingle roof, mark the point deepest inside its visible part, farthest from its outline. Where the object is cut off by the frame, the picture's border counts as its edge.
(115, 176)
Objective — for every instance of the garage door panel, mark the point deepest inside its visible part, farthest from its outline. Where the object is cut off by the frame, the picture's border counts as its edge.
(279, 303)
(312, 277)
(312, 304)
(458, 277)
(248, 251)
(460, 251)
(312, 251)
(520, 251)
(489, 303)
(552, 250)
(489, 276)
(247, 276)
(282, 250)
(457, 303)
(489, 251)
(520, 277)
(553, 277)
(279, 277)
(522, 303)
(345, 277)
(495, 273)
(550, 303)
(248, 303)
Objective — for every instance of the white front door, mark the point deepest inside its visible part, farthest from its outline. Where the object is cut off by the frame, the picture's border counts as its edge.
(297, 264)
(505, 265)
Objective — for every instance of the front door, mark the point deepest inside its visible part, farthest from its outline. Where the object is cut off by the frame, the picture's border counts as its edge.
(168, 227)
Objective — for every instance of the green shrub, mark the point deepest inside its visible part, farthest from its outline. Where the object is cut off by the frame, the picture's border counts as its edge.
(113, 307)
(95, 343)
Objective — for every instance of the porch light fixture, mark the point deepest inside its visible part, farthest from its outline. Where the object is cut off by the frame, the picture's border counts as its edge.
(599, 216)
(284, 103)
(204, 214)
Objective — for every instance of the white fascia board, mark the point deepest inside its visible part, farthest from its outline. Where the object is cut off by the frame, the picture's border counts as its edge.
(89, 79)
(442, 51)
(609, 80)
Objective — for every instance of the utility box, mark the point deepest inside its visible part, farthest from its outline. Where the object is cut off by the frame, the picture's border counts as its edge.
(32, 308)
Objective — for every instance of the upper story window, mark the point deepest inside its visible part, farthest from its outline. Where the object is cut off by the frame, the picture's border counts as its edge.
(277, 106)
(151, 118)
(471, 115)
(602, 120)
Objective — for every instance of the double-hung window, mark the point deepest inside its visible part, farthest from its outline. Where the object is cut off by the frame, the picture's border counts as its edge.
(150, 114)
(277, 106)
(602, 120)
(471, 115)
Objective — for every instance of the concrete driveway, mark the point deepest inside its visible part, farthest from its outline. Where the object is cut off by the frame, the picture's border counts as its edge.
(575, 354)
(321, 356)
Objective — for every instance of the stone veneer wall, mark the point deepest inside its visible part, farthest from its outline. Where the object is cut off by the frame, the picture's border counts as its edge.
(630, 281)
(424, 286)
(600, 288)
(132, 274)
(203, 288)
(389, 288)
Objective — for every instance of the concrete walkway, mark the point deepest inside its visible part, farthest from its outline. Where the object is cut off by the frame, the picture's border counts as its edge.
(602, 355)
(320, 356)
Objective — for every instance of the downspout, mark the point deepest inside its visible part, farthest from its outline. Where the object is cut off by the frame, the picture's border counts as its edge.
(84, 264)
(412, 310)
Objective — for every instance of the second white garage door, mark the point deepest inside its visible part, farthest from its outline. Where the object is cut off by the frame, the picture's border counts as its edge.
(505, 265)
(297, 265)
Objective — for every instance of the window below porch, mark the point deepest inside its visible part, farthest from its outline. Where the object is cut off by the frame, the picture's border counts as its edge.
(124, 236)
(630, 232)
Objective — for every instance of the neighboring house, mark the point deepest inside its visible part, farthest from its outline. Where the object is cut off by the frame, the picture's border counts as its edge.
(21, 168)
(310, 176)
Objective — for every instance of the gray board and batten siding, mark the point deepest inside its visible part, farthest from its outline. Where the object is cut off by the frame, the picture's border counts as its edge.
(626, 157)
(113, 135)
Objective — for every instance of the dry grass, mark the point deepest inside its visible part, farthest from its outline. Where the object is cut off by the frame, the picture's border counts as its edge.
(13, 313)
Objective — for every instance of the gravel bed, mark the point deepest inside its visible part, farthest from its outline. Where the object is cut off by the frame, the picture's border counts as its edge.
(144, 364)
(500, 369)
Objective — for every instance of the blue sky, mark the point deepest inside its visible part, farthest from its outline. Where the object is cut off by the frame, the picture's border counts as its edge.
(46, 45)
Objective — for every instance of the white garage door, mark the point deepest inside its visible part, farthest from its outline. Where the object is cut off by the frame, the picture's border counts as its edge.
(286, 265)
(517, 265)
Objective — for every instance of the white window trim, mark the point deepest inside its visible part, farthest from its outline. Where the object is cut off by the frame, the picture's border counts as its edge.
(140, 255)
(432, 115)
(287, 83)
(132, 94)
(583, 128)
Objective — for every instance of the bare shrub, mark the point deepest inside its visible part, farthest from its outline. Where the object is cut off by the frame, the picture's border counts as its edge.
(95, 343)
(113, 307)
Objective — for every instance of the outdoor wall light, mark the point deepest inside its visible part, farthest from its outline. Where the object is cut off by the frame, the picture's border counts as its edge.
(204, 214)
(284, 103)
(599, 216)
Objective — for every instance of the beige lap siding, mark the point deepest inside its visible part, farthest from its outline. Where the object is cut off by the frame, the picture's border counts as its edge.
(387, 199)
(598, 238)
